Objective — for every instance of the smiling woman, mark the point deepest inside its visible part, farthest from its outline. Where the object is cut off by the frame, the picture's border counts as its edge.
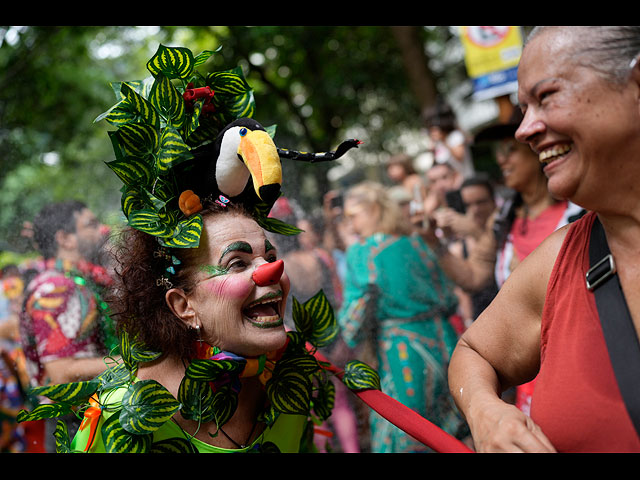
(579, 89)
(213, 300)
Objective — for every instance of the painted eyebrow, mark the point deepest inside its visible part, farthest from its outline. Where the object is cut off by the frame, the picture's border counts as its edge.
(268, 246)
(236, 247)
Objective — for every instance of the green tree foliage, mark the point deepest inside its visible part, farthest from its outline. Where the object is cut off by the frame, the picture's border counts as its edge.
(318, 84)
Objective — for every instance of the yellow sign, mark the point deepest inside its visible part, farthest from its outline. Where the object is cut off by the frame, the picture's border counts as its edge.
(491, 49)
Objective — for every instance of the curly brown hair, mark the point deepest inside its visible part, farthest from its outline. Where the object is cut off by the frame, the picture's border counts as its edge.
(138, 300)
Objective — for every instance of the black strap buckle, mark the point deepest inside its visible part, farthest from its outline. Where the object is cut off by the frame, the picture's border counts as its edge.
(600, 272)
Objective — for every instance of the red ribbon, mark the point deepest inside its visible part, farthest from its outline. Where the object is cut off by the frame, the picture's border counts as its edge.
(405, 419)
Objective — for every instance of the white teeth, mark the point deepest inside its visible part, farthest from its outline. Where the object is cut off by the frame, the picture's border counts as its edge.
(548, 154)
(266, 300)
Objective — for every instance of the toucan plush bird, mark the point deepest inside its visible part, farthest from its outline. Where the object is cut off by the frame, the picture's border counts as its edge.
(242, 164)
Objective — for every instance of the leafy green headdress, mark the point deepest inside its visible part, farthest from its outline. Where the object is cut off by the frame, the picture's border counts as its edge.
(157, 128)
(164, 123)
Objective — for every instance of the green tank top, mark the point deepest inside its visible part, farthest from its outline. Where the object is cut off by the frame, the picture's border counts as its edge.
(286, 432)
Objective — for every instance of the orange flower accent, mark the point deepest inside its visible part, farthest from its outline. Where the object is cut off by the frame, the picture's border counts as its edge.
(91, 419)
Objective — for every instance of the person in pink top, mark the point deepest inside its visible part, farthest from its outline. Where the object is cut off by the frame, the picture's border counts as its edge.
(579, 91)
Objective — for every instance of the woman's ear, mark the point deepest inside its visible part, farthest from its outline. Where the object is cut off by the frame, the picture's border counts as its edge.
(179, 304)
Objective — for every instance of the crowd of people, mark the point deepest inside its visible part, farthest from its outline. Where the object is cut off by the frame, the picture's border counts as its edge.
(469, 302)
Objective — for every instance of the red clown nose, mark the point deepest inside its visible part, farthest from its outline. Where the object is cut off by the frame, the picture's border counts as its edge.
(268, 273)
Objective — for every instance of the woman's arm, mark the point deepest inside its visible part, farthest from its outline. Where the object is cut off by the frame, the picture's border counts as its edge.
(502, 349)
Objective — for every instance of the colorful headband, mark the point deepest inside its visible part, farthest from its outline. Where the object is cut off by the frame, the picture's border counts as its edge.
(183, 136)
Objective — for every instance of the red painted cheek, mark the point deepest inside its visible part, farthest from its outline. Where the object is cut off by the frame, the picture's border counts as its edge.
(235, 287)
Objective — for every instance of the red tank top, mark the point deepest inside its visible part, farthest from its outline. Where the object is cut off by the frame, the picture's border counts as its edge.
(576, 400)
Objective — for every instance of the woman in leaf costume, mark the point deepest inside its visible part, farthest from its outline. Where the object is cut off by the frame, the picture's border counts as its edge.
(216, 298)
(205, 364)
(397, 297)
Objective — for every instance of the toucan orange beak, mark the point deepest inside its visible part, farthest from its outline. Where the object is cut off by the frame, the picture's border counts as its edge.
(260, 155)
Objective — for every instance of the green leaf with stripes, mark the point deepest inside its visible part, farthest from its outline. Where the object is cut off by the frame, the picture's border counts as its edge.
(119, 114)
(324, 399)
(301, 318)
(290, 387)
(173, 445)
(315, 320)
(167, 100)
(196, 399)
(235, 106)
(202, 57)
(193, 121)
(131, 170)
(225, 403)
(206, 370)
(325, 327)
(146, 406)
(275, 225)
(172, 151)
(290, 392)
(138, 140)
(268, 416)
(186, 235)
(141, 109)
(148, 221)
(133, 352)
(118, 440)
(45, 410)
(141, 354)
(73, 393)
(228, 82)
(131, 200)
(61, 434)
(115, 377)
(360, 376)
(173, 62)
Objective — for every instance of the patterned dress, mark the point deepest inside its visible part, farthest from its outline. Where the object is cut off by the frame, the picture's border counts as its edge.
(396, 295)
(64, 316)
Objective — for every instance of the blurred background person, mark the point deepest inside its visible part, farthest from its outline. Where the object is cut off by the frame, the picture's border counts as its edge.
(65, 325)
(450, 142)
(402, 173)
(398, 300)
(13, 436)
(462, 231)
(442, 179)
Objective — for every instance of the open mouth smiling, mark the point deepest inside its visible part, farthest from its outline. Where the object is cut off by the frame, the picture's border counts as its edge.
(265, 311)
(550, 154)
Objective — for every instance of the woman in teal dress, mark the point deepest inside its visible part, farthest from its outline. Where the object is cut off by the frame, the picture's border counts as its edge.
(397, 297)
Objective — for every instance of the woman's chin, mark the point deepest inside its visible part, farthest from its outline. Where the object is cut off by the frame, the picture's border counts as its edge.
(260, 340)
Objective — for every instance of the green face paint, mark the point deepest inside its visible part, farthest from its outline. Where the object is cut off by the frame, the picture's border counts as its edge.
(268, 246)
(236, 247)
(213, 270)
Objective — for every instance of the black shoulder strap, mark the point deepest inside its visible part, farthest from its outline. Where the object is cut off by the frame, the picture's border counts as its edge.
(617, 326)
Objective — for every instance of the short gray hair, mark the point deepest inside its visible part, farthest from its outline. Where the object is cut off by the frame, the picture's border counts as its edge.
(607, 50)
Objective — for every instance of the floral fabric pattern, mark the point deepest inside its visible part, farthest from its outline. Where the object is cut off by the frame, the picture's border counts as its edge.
(62, 317)
(397, 298)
